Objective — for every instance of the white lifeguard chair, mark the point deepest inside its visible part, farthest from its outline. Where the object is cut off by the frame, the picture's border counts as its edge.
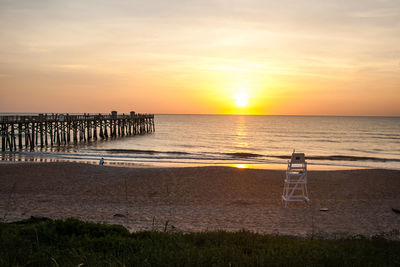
(295, 188)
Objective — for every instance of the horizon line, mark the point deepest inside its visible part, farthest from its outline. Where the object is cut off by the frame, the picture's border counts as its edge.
(207, 114)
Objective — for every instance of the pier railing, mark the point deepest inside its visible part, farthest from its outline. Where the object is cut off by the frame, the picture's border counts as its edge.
(30, 131)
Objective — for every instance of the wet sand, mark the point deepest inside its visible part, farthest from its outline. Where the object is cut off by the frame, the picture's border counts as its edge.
(201, 198)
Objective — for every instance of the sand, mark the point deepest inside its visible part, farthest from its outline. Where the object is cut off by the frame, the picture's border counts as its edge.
(201, 198)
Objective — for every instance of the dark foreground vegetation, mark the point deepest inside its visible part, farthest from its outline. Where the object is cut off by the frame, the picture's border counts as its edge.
(44, 242)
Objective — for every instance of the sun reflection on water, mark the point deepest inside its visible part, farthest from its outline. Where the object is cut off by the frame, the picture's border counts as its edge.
(241, 133)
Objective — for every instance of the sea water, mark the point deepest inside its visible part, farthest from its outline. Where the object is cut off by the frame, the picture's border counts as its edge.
(244, 141)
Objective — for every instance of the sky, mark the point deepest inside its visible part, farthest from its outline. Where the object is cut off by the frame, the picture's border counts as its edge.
(201, 57)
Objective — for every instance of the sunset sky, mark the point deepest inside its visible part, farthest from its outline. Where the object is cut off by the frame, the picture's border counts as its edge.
(315, 57)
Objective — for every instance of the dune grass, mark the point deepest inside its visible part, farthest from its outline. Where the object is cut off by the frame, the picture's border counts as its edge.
(70, 242)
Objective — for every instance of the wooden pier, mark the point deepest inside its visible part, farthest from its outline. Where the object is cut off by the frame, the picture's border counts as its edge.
(44, 130)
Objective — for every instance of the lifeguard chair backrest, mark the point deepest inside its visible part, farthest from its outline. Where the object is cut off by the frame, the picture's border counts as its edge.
(298, 158)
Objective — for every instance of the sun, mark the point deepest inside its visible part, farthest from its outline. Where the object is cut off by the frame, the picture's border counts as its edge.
(241, 99)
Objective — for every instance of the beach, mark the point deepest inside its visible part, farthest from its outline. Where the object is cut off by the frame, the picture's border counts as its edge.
(202, 198)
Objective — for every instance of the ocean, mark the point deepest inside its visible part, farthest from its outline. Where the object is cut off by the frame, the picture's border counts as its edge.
(244, 141)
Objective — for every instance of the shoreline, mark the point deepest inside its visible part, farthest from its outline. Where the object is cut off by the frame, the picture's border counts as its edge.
(146, 158)
(240, 165)
(197, 199)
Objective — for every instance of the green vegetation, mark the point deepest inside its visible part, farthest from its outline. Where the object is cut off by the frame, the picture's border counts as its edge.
(44, 242)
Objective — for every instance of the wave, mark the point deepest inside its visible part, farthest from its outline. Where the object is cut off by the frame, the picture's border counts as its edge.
(343, 158)
(138, 151)
(243, 155)
(354, 158)
(203, 155)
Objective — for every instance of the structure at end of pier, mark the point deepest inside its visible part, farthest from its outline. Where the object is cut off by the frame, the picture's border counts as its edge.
(42, 130)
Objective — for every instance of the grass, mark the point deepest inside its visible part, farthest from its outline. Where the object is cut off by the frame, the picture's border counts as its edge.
(70, 242)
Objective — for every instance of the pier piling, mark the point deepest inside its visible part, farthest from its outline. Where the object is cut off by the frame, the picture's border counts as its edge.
(43, 130)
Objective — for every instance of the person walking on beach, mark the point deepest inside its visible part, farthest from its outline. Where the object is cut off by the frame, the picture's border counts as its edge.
(101, 161)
